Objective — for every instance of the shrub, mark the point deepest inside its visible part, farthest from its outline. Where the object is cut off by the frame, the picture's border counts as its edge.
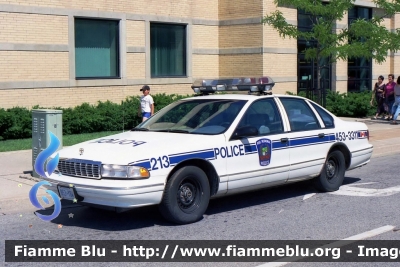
(350, 104)
(5, 121)
(81, 119)
(16, 122)
(21, 127)
(111, 116)
(346, 104)
(130, 108)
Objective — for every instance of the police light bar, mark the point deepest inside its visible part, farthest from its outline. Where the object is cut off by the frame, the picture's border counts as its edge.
(262, 84)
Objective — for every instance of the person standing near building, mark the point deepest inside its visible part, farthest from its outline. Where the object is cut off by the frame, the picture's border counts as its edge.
(379, 94)
(389, 95)
(396, 106)
(146, 108)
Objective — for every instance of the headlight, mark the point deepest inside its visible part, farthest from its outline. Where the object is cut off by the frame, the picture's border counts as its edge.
(121, 171)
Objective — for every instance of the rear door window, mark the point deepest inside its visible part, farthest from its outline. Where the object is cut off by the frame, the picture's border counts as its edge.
(263, 115)
(301, 117)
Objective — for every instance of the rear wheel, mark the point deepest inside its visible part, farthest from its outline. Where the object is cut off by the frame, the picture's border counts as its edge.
(186, 196)
(332, 174)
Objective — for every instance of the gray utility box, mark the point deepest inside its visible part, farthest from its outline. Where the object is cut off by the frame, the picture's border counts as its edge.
(43, 121)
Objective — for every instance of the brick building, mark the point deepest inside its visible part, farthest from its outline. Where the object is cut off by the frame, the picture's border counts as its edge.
(62, 53)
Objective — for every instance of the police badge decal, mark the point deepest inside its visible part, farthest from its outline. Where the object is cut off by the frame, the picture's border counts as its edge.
(264, 147)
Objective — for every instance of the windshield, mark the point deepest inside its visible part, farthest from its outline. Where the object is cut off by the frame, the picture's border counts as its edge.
(198, 116)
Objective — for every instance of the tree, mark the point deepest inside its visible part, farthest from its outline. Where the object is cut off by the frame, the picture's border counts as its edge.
(361, 39)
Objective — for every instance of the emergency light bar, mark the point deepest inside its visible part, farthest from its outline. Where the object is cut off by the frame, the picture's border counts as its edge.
(262, 84)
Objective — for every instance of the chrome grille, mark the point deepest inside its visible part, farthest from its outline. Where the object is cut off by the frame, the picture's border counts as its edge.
(80, 168)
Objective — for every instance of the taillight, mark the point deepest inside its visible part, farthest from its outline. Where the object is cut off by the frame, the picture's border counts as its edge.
(368, 134)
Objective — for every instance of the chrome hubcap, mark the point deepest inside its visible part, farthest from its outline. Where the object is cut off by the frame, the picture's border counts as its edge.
(186, 194)
(330, 169)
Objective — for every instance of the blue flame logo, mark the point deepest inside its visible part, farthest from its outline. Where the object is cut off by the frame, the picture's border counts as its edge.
(40, 169)
(41, 158)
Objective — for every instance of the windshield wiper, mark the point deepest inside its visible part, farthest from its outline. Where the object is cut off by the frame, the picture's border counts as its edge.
(173, 131)
(140, 129)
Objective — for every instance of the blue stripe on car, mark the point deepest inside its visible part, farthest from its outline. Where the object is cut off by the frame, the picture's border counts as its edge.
(309, 141)
(209, 154)
(250, 148)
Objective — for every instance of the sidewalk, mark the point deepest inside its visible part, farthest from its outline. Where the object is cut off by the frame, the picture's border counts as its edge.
(15, 185)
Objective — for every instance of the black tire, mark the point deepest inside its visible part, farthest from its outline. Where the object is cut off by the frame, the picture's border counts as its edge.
(186, 196)
(332, 174)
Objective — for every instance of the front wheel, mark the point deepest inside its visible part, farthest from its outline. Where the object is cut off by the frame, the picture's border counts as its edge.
(186, 196)
(332, 174)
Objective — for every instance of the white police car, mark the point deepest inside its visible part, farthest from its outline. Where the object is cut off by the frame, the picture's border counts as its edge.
(213, 145)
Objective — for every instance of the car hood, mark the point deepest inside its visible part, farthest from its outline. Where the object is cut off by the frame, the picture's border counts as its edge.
(130, 147)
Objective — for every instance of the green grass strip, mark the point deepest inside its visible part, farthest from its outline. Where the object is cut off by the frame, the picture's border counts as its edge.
(68, 140)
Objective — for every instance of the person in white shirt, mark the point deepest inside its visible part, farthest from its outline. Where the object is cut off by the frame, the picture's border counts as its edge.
(146, 108)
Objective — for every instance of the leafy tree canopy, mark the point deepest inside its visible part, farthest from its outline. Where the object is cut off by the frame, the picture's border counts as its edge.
(367, 38)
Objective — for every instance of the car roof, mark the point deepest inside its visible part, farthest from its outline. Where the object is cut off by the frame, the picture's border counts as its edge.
(239, 96)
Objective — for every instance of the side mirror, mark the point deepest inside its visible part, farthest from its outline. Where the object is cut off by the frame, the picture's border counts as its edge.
(245, 131)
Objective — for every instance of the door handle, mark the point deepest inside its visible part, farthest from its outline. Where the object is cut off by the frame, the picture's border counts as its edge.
(284, 140)
(321, 135)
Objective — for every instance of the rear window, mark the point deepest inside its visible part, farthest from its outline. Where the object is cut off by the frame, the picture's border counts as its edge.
(325, 116)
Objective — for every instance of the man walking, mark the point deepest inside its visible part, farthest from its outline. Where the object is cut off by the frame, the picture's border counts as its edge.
(146, 108)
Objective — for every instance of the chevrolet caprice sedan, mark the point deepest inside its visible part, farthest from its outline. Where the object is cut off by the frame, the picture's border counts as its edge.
(213, 145)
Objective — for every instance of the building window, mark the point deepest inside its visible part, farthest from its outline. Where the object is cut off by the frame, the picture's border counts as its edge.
(96, 49)
(168, 50)
(359, 69)
(307, 73)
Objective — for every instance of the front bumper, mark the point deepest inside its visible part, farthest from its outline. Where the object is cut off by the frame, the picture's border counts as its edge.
(112, 193)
